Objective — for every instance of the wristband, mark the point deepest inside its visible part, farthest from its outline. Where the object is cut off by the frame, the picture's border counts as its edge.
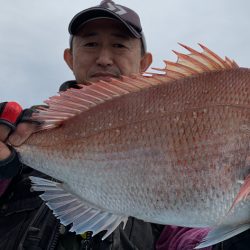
(11, 166)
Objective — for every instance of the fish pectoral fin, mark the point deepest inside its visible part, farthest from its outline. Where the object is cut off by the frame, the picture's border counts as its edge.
(70, 209)
(222, 233)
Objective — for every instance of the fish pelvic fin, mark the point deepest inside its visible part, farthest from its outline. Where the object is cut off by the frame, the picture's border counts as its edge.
(222, 233)
(69, 209)
(243, 193)
(75, 101)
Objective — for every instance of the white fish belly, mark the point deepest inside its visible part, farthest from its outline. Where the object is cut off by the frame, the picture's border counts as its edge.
(140, 186)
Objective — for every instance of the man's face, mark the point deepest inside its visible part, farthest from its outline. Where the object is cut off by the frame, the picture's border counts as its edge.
(102, 49)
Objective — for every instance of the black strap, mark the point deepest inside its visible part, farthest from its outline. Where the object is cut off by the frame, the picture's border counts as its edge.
(8, 124)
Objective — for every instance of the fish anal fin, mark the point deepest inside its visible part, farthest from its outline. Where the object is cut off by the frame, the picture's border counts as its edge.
(70, 209)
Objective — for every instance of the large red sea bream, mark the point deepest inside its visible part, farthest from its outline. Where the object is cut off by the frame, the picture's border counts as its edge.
(170, 148)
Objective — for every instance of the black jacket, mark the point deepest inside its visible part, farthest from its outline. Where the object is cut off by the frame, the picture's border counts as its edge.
(27, 223)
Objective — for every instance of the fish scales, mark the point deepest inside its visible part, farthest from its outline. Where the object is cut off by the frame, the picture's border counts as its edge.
(170, 154)
(168, 130)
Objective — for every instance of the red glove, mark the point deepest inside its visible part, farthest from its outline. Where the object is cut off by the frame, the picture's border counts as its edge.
(10, 114)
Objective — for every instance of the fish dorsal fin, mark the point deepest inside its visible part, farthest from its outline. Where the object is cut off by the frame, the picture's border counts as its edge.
(197, 62)
(75, 101)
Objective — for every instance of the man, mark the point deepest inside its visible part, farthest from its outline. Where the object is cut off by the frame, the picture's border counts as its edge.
(105, 41)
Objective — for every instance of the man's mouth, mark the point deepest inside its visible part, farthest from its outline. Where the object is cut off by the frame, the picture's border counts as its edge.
(103, 76)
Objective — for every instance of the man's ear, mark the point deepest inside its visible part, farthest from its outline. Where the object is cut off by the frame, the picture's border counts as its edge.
(146, 61)
(68, 58)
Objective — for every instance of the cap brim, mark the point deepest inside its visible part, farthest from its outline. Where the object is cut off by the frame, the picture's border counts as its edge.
(96, 13)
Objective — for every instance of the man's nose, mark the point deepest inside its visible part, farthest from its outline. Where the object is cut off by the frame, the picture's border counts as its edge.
(104, 58)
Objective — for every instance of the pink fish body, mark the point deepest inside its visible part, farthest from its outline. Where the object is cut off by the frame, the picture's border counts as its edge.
(168, 148)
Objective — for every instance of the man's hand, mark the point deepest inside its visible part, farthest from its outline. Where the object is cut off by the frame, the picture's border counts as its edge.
(4, 150)
(23, 131)
(15, 127)
(14, 130)
(10, 113)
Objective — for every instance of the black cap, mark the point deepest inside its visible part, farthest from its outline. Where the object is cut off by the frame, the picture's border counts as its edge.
(110, 10)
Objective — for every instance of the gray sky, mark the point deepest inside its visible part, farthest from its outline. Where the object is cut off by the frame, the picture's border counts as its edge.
(34, 35)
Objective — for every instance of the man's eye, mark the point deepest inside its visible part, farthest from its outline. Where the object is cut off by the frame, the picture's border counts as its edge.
(91, 44)
(119, 45)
